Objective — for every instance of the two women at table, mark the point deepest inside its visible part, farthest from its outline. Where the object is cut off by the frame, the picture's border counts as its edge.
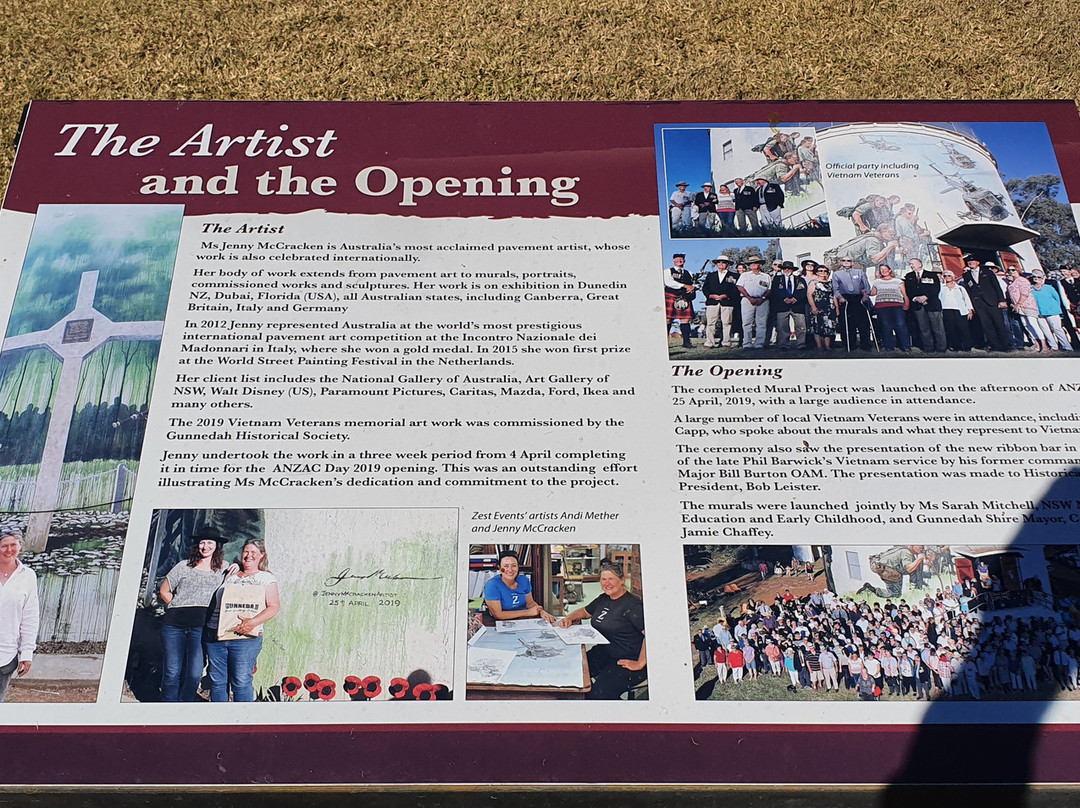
(618, 615)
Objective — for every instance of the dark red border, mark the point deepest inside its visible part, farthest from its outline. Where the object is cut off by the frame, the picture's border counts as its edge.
(609, 145)
(538, 754)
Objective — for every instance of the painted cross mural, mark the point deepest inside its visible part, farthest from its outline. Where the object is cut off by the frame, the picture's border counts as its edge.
(73, 338)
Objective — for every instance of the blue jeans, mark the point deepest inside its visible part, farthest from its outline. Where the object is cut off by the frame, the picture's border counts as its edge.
(893, 327)
(183, 663)
(232, 664)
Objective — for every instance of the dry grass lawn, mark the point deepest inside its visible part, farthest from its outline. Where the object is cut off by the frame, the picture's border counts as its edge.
(532, 50)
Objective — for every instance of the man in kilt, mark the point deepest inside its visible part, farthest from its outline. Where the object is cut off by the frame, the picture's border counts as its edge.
(679, 293)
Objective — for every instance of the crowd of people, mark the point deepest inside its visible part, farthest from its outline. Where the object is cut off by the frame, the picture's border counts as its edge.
(915, 649)
(753, 204)
(881, 307)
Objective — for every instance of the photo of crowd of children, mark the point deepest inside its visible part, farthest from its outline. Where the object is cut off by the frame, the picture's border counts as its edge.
(893, 623)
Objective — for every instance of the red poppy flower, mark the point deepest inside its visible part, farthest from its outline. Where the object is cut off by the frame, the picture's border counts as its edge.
(290, 686)
(423, 692)
(311, 682)
(352, 687)
(441, 692)
(326, 689)
(372, 686)
(399, 688)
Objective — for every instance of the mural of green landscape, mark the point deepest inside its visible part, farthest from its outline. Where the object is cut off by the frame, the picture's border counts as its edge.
(76, 376)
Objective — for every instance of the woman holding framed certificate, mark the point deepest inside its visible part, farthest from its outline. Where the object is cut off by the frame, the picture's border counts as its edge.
(244, 603)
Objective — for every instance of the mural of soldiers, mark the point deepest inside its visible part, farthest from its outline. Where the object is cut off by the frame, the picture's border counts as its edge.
(778, 147)
(914, 239)
(872, 248)
(808, 159)
(787, 171)
(871, 213)
(892, 565)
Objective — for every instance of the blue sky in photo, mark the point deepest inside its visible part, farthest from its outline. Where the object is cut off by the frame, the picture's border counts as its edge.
(1022, 149)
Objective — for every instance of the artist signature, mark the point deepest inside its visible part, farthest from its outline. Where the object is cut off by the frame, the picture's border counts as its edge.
(380, 574)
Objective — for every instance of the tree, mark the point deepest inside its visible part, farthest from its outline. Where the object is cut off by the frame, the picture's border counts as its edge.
(771, 251)
(1058, 241)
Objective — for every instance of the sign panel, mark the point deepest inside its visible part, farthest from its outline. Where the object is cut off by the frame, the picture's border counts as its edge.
(365, 440)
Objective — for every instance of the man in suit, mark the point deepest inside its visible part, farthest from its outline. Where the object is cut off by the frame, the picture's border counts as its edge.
(721, 297)
(787, 300)
(771, 197)
(988, 300)
(923, 289)
(746, 206)
(705, 202)
(1069, 292)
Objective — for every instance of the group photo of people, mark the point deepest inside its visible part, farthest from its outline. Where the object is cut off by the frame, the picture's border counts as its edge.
(749, 182)
(794, 623)
(229, 597)
(746, 298)
(961, 241)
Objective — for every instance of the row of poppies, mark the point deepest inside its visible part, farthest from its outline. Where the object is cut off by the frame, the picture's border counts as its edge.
(360, 689)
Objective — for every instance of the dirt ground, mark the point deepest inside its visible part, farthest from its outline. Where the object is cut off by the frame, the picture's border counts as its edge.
(759, 590)
(60, 691)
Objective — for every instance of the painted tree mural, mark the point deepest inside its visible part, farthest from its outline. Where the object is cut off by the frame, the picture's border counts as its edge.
(133, 249)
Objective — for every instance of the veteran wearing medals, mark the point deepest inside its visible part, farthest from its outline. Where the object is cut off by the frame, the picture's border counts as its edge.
(680, 206)
(679, 293)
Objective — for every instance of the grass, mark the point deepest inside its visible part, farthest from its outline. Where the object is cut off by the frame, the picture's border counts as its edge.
(676, 351)
(775, 688)
(531, 50)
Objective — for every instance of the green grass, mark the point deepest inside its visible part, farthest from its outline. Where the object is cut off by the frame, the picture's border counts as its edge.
(531, 50)
(773, 688)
